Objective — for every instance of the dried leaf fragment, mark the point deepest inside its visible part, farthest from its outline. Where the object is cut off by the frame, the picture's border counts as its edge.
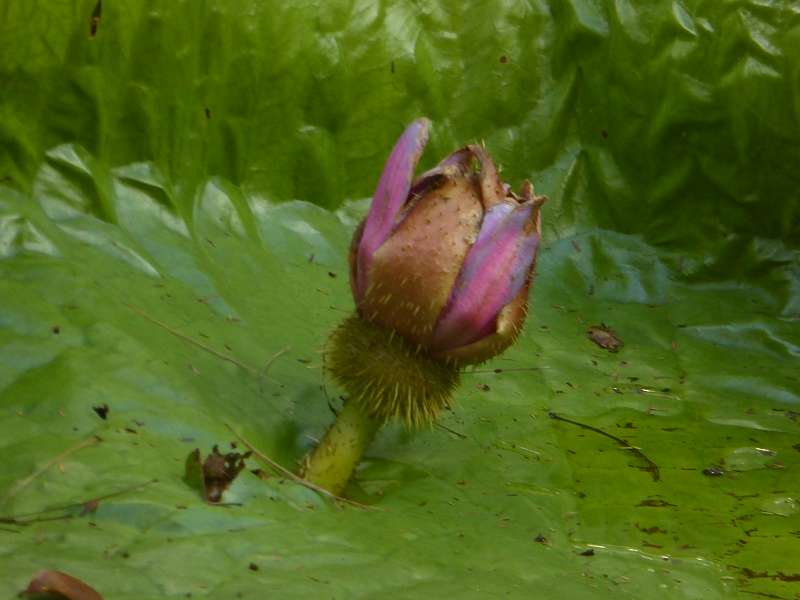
(605, 337)
(215, 474)
(56, 584)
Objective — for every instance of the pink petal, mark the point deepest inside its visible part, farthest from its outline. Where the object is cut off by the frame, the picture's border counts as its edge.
(495, 270)
(390, 196)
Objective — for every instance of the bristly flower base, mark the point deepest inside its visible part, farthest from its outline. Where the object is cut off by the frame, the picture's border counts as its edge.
(386, 376)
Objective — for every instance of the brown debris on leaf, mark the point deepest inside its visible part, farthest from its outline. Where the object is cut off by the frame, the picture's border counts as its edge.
(55, 584)
(605, 337)
(215, 474)
(94, 20)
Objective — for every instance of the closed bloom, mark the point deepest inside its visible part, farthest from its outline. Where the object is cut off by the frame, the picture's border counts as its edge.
(440, 271)
(446, 260)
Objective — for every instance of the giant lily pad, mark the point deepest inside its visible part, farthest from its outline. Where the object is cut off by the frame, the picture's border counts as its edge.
(180, 183)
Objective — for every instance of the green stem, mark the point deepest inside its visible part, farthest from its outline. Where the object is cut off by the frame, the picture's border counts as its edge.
(333, 461)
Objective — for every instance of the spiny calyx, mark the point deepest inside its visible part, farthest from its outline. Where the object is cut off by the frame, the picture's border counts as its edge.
(387, 376)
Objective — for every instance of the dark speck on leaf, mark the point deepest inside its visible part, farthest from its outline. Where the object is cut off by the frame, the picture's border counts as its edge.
(503, 59)
(541, 539)
(604, 133)
(651, 530)
(588, 552)
(56, 329)
(260, 473)
(94, 20)
(654, 502)
(208, 113)
(253, 566)
(779, 575)
(102, 410)
(331, 274)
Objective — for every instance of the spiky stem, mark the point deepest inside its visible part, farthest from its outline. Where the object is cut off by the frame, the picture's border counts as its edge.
(333, 461)
(385, 378)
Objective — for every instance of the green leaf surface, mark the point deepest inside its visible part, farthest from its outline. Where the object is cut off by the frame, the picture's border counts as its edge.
(178, 193)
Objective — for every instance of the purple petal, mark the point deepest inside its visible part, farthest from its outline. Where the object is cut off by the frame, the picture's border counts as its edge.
(495, 270)
(390, 196)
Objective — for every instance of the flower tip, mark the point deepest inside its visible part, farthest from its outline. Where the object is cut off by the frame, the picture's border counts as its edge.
(422, 122)
(419, 130)
(390, 196)
(528, 195)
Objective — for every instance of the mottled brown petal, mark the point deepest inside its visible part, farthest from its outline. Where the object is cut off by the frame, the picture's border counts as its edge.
(413, 272)
(60, 585)
(353, 260)
(491, 186)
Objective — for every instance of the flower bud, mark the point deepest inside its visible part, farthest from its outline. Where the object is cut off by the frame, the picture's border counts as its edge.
(446, 260)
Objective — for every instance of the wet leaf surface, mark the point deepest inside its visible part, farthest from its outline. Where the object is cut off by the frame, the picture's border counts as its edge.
(154, 257)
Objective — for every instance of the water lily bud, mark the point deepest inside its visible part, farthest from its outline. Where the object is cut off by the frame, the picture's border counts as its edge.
(440, 271)
(446, 260)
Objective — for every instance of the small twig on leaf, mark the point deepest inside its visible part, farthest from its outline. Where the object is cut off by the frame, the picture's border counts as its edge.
(463, 436)
(86, 506)
(651, 468)
(296, 478)
(227, 357)
(23, 483)
(272, 359)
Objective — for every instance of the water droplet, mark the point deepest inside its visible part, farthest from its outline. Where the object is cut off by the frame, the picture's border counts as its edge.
(747, 459)
(783, 506)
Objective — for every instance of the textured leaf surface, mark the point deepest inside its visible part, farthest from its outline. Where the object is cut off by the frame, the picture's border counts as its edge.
(155, 256)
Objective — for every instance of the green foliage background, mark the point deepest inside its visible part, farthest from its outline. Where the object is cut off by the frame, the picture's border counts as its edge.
(177, 193)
